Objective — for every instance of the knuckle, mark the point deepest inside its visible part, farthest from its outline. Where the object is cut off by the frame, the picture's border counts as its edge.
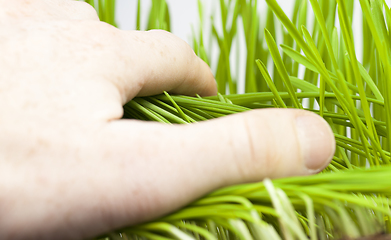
(85, 10)
(263, 157)
(187, 52)
(102, 34)
(173, 43)
(248, 160)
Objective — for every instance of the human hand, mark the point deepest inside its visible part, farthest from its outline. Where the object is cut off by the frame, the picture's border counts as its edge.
(70, 169)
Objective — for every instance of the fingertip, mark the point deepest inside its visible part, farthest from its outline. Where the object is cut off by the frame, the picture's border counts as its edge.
(211, 89)
(210, 86)
(198, 78)
(197, 75)
(317, 142)
(166, 62)
(283, 143)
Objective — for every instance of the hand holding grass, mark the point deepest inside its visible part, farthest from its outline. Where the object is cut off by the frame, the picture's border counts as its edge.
(71, 169)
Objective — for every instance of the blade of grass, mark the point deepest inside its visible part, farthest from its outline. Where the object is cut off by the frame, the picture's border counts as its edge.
(270, 83)
(281, 68)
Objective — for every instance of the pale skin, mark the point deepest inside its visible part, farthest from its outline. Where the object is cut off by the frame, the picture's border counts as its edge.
(71, 169)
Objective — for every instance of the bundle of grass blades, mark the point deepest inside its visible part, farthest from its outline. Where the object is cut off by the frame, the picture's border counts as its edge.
(316, 70)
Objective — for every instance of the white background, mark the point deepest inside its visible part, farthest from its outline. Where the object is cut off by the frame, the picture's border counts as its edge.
(184, 13)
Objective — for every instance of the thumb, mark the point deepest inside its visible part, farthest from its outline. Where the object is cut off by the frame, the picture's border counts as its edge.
(137, 171)
(179, 163)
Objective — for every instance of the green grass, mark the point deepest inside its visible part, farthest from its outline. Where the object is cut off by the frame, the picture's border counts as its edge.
(316, 69)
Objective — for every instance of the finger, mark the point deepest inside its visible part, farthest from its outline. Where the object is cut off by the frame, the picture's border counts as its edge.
(134, 171)
(151, 62)
(161, 168)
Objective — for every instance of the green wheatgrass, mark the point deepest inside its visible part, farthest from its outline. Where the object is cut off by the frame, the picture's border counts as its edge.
(312, 67)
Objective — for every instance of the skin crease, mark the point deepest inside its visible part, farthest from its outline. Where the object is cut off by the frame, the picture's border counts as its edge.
(70, 169)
